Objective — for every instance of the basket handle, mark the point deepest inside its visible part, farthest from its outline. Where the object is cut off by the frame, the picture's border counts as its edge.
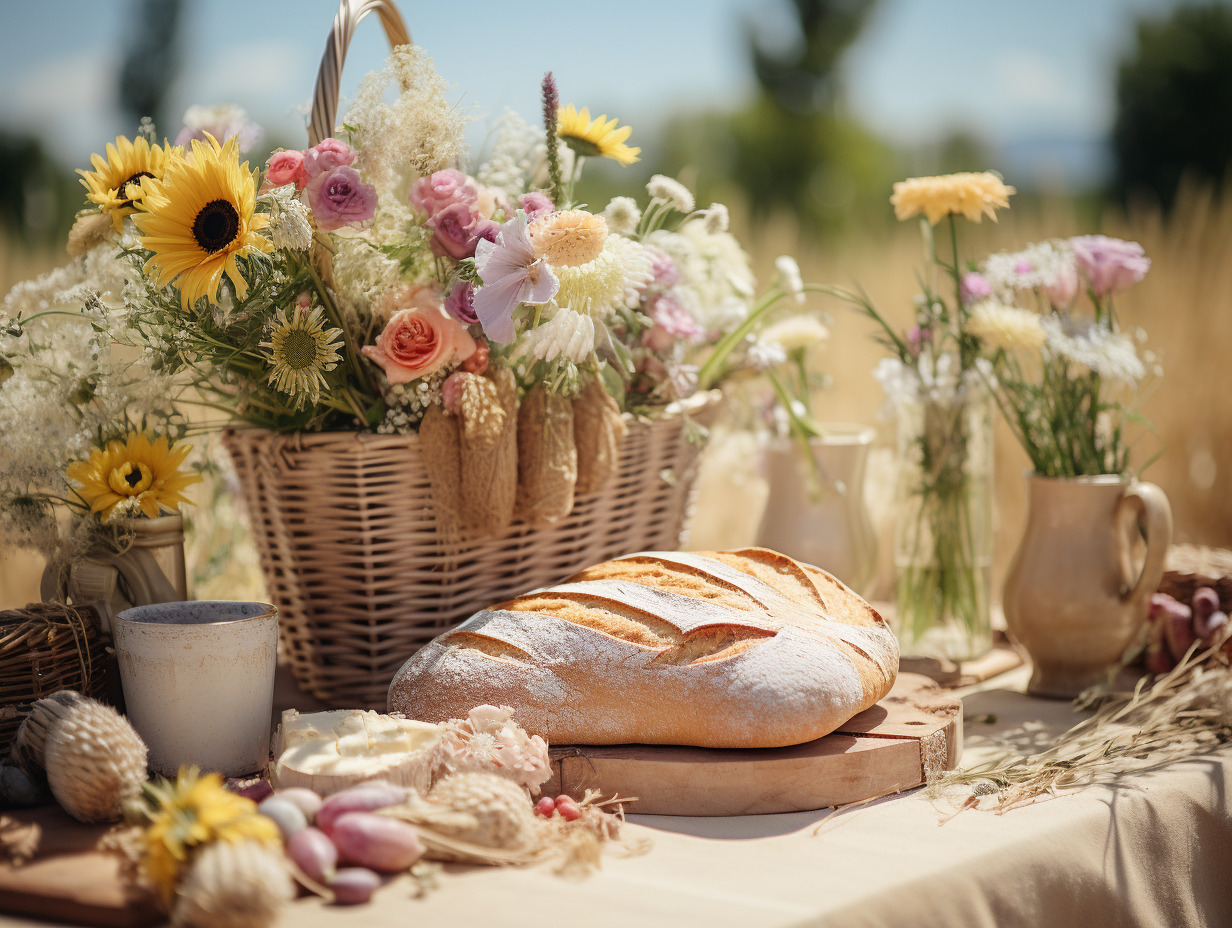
(329, 77)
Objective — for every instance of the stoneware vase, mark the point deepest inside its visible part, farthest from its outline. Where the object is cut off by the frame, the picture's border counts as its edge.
(149, 569)
(1080, 583)
(199, 682)
(823, 522)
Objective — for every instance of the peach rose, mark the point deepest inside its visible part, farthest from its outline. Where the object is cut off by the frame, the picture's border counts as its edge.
(420, 341)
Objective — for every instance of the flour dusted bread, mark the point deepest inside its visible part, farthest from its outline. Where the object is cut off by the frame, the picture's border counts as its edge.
(735, 649)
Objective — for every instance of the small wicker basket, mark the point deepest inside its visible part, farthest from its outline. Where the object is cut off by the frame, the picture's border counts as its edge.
(347, 533)
(1188, 567)
(45, 648)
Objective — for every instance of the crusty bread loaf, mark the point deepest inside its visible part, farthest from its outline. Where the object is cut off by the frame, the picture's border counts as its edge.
(736, 649)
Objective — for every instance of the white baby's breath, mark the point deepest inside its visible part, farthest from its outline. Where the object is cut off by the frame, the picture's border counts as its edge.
(290, 226)
(789, 278)
(1109, 354)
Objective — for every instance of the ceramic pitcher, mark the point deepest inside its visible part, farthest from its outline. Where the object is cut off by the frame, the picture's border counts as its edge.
(1079, 586)
(832, 528)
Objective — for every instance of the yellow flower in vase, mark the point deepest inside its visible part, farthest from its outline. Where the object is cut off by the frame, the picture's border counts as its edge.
(199, 219)
(114, 186)
(971, 195)
(194, 811)
(599, 137)
(131, 476)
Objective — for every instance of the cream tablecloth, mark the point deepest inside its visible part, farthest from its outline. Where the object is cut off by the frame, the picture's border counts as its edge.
(1155, 850)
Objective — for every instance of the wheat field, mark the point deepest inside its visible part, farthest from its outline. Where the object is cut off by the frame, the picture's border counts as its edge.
(1185, 304)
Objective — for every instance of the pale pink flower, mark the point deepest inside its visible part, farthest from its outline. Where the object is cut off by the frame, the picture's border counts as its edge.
(511, 274)
(286, 167)
(327, 155)
(442, 189)
(417, 342)
(1109, 264)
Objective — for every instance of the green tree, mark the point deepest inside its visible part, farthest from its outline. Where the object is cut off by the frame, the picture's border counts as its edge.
(1173, 101)
(792, 146)
(151, 61)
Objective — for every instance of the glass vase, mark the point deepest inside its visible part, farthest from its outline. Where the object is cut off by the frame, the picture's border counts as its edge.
(943, 536)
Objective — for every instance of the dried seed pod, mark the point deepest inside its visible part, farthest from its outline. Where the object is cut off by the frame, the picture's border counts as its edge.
(94, 762)
(488, 811)
(598, 430)
(30, 744)
(233, 885)
(489, 456)
(547, 457)
(440, 442)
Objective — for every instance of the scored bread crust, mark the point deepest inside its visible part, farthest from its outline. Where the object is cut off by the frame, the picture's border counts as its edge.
(724, 649)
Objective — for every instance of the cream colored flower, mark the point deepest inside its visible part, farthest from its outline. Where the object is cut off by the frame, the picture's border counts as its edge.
(789, 278)
(614, 279)
(796, 332)
(569, 238)
(622, 215)
(717, 218)
(567, 335)
(671, 190)
(1008, 327)
(971, 195)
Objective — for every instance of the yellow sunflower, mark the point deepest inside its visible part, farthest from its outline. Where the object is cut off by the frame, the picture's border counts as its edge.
(971, 195)
(199, 219)
(590, 137)
(194, 811)
(132, 475)
(114, 185)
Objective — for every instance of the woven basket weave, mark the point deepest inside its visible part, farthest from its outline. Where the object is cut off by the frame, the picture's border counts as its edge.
(347, 533)
(45, 648)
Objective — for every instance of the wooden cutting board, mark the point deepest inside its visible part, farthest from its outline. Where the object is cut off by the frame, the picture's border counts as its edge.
(914, 731)
(65, 877)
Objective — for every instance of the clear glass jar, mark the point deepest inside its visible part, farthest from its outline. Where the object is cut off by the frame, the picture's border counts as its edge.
(943, 535)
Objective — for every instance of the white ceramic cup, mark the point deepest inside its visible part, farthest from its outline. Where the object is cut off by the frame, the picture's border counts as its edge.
(198, 682)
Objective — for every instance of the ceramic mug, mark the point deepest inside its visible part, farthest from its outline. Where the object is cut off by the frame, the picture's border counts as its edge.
(198, 682)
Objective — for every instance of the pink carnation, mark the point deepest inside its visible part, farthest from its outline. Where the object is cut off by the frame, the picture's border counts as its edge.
(327, 155)
(286, 167)
(663, 270)
(438, 191)
(672, 322)
(975, 287)
(1109, 264)
(536, 204)
(339, 198)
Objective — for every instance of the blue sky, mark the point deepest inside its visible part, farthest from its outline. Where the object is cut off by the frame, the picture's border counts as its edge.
(1007, 69)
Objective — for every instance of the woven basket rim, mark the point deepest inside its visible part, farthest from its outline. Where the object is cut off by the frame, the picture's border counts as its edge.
(690, 405)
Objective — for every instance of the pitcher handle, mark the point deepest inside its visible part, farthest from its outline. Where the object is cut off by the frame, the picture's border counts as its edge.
(1155, 516)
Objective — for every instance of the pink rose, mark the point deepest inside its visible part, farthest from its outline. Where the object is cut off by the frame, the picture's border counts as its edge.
(461, 302)
(339, 198)
(457, 229)
(417, 342)
(286, 167)
(327, 155)
(975, 287)
(445, 188)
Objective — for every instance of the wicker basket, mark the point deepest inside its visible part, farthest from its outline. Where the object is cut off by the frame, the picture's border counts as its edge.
(44, 648)
(347, 533)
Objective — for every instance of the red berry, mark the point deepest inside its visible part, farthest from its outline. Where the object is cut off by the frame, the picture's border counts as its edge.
(569, 811)
(564, 797)
(545, 807)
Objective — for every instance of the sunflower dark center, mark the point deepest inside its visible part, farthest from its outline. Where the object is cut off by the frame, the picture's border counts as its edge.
(125, 199)
(134, 476)
(216, 225)
(299, 350)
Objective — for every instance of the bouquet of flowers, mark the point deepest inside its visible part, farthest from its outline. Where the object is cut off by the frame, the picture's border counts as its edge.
(1066, 377)
(936, 379)
(370, 283)
(87, 430)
